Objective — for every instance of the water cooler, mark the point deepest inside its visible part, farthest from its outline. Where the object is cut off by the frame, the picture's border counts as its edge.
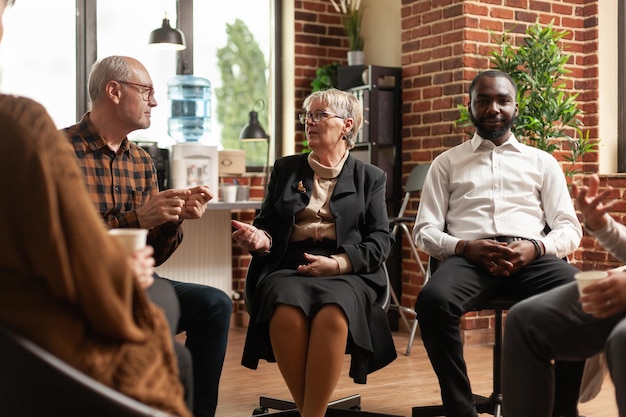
(193, 163)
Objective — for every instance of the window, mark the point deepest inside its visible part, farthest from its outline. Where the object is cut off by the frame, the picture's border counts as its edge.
(45, 68)
(39, 43)
(621, 86)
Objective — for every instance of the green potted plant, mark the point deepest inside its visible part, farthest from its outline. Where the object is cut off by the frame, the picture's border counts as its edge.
(547, 112)
(351, 18)
(325, 77)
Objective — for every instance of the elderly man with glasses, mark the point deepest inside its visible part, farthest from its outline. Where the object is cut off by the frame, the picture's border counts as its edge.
(122, 182)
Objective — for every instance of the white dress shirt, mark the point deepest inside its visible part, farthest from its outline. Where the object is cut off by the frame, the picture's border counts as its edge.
(479, 190)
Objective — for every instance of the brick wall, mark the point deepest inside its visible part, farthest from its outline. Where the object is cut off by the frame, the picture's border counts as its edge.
(319, 40)
(444, 45)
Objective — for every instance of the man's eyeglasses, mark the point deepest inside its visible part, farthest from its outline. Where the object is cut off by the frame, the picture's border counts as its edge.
(147, 91)
(316, 116)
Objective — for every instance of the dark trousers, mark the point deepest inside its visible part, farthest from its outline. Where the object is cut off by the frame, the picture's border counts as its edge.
(205, 317)
(458, 286)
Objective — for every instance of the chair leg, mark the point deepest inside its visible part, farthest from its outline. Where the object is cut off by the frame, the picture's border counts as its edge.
(402, 310)
(411, 337)
(396, 306)
(396, 303)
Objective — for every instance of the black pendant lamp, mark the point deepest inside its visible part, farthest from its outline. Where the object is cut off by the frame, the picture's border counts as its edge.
(167, 37)
(254, 131)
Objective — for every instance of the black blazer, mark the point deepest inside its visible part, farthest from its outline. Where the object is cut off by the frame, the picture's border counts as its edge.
(362, 227)
(357, 203)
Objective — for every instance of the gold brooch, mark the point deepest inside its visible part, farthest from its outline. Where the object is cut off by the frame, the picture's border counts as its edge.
(301, 187)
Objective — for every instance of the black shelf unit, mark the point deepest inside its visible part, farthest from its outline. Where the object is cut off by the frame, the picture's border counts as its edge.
(379, 142)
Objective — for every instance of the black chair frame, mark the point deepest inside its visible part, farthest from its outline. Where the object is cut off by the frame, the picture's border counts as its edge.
(344, 407)
(493, 403)
(33, 382)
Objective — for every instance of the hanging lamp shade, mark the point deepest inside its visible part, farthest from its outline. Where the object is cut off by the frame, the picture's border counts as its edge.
(166, 37)
(253, 130)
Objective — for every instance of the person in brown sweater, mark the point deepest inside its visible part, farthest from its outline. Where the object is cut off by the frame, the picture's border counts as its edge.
(64, 283)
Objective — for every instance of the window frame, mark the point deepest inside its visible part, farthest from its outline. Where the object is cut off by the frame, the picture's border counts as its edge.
(86, 53)
(621, 87)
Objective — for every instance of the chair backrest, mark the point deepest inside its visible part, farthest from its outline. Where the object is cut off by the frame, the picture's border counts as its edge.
(416, 179)
(414, 183)
(34, 382)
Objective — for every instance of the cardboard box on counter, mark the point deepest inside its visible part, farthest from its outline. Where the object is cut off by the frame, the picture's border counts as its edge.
(232, 162)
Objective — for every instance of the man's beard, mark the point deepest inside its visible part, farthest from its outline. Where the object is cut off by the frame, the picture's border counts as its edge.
(492, 134)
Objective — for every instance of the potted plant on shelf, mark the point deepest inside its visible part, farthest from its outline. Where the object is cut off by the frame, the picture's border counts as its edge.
(351, 18)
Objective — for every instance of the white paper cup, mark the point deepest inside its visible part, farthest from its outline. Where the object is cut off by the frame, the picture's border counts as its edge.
(587, 278)
(130, 239)
(229, 193)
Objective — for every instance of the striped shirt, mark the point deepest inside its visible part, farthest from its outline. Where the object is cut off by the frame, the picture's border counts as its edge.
(119, 183)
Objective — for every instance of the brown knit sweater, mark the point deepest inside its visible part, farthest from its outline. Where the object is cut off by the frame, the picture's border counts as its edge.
(63, 282)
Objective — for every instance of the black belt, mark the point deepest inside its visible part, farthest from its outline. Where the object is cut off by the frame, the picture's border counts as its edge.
(507, 239)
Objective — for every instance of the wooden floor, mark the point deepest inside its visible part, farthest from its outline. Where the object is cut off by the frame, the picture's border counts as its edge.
(395, 389)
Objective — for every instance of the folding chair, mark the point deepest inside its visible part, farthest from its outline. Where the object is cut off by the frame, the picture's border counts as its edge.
(402, 222)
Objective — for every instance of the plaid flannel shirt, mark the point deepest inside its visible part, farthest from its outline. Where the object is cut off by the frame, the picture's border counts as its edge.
(119, 183)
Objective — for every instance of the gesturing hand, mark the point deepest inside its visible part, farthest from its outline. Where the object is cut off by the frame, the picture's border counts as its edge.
(166, 206)
(249, 237)
(195, 204)
(590, 203)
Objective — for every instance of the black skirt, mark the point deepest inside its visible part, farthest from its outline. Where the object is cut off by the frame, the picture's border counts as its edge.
(350, 292)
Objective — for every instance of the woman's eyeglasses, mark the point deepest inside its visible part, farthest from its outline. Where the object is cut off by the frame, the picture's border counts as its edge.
(147, 92)
(317, 116)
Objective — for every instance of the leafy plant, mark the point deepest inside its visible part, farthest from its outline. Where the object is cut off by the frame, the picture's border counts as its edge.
(547, 112)
(325, 77)
(351, 17)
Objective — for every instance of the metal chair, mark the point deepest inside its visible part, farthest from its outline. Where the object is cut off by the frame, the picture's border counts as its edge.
(344, 407)
(33, 382)
(493, 403)
(402, 222)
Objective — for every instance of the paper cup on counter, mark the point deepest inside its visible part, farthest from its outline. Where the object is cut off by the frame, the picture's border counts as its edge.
(587, 278)
(130, 239)
(229, 193)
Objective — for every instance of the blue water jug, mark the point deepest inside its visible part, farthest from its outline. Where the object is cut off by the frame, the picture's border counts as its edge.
(190, 98)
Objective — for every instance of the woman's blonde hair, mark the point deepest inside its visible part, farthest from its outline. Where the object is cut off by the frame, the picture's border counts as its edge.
(343, 104)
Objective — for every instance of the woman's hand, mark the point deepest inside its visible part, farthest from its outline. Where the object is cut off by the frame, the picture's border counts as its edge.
(319, 266)
(606, 297)
(250, 238)
(142, 262)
